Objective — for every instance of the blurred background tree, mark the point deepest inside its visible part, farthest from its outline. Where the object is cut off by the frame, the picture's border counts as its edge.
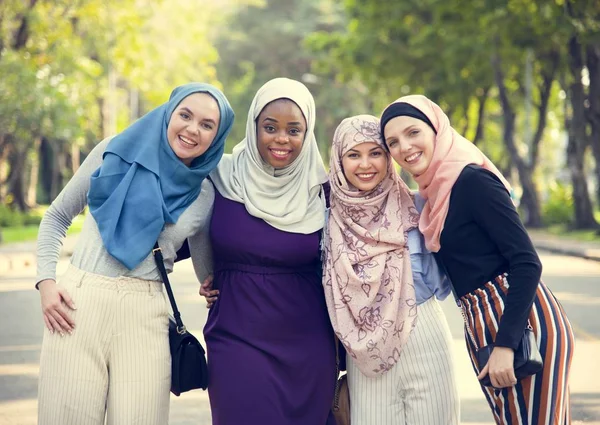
(519, 78)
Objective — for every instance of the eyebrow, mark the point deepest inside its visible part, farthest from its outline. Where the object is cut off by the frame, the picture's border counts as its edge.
(210, 120)
(289, 123)
(410, 127)
(370, 150)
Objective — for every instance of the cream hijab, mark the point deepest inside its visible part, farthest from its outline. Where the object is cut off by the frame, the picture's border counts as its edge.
(289, 198)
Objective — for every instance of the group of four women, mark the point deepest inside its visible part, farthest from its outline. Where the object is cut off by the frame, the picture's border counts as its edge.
(289, 256)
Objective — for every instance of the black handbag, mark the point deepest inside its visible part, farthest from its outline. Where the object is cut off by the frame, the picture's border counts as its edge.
(189, 370)
(528, 360)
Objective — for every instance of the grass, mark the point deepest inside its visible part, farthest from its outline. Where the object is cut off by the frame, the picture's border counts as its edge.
(29, 233)
(562, 231)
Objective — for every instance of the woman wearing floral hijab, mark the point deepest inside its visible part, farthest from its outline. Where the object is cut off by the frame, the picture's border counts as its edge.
(381, 288)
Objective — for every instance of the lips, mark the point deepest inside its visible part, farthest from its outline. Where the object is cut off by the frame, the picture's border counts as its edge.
(411, 159)
(280, 153)
(366, 177)
(186, 142)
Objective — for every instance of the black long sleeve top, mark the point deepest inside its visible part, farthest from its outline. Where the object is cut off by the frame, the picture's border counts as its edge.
(482, 238)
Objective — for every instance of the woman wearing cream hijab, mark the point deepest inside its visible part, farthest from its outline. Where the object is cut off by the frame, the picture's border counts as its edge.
(270, 345)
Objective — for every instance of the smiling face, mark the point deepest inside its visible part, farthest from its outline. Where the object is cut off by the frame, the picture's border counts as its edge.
(411, 143)
(365, 165)
(193, 126)
(280, 131)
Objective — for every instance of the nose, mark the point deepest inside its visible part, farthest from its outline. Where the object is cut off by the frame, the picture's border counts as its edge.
(364, 162)
(193, 129)
(282, 138)
(405, 146)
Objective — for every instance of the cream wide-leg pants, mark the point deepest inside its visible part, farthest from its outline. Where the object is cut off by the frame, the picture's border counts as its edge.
(420, 389)
(116, 365)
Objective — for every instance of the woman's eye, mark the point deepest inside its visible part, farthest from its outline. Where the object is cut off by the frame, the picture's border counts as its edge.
(207, 126)
(294, 132)
(353, 156)
(392, 143)
(269, 128)
(184, 115)
(414, 132)
(376, 154)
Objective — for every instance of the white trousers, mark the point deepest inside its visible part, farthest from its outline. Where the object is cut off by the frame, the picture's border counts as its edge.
(421, 388)
(116, 365)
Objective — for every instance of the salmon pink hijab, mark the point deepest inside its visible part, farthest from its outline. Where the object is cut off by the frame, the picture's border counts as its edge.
(367, 279)
(452, 153)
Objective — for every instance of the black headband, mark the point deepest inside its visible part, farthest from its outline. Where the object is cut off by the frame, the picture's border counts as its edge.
(403, 109)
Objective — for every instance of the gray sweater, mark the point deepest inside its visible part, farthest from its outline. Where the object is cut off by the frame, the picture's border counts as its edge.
(90, 254)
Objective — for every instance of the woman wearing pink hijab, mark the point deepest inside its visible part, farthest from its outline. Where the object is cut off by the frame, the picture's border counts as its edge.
(381, 287)
(471, 223)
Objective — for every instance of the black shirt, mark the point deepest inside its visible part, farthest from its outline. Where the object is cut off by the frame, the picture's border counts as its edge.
(482, 238)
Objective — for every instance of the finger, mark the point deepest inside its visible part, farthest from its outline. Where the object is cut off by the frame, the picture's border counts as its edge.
(494, 381)
(484, 372)
(55, 326)
(67, 317)
(63, 326)
(67, 299)
(512, 378)
(48, 324)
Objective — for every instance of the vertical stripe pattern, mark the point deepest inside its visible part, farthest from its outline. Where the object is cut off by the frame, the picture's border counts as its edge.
(420, 389)
(542, 399)
(116, 364)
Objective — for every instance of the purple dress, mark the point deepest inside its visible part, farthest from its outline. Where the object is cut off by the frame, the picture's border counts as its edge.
(271, 355)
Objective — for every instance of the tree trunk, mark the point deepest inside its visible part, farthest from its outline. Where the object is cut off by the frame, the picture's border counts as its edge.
(548, 77)
(584, 213)
(593, 65)
(481, 115)
(34, 173)
(21, 35)
(16, 180)
(75, 158)
(46, 170)
(530, 200)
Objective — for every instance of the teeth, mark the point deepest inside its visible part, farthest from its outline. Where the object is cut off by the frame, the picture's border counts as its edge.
(187, 141)
(366, 176)
(412, 157)
(281, 153)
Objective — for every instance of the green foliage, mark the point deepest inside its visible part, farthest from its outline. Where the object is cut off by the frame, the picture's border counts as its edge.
(558, 208)
(268, 40)
(14, 218)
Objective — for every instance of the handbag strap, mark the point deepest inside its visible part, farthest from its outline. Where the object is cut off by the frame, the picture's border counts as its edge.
(459, 302)
(160, 263)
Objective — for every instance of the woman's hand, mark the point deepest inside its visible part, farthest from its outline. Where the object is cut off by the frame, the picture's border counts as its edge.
(207, 292)
(500, 367)
(56, 304)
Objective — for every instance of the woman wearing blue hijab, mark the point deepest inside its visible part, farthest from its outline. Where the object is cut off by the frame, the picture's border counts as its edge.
(105, 353)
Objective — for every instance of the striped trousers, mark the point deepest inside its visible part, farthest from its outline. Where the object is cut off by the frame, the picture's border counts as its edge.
(116, 365)
(420, 389)
(542, 399)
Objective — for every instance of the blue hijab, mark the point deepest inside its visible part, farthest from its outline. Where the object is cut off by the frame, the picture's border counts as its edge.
(141, 184)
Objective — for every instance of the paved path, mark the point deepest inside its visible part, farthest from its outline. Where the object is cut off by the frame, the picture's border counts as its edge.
(576, 282)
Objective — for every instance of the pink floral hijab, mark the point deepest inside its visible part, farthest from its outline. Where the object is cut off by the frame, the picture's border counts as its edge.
(367, 274)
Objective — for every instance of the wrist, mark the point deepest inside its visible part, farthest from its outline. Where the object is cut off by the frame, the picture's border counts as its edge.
(43, 283)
